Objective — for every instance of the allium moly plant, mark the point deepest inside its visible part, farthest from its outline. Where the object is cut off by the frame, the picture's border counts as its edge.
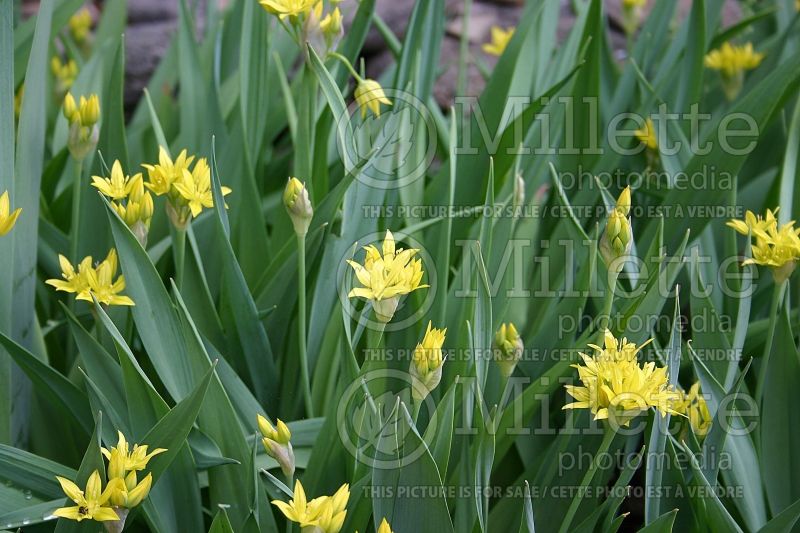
(334, 271)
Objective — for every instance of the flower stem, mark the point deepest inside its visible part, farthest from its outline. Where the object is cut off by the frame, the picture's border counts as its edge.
(347, 64)
(417, 408)
(301, 322)
(777, 296)
(608, 437)
(77, 178)
(179, 253)
(608, 304)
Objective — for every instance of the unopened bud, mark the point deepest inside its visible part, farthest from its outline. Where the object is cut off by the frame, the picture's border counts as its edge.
(298, 205)
(509, 346)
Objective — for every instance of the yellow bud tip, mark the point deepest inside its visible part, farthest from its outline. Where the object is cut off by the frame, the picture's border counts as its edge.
(624, 201)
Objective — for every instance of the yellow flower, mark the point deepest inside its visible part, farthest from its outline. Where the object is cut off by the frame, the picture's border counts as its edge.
(137, 209)
(121, 459)
(775, 246)
(326, 513)
(384, 527)
(7, 218)
(333, 511)
(331, 25)
(618, 235)
(277, 443)
(129, 493)
(163, 174)
(384, 278)
(287, 8)
(369, 95)
(694, 407)
(74, 281)
(79, 25)
(65, 73)
(647, 135)
(510, 347)
(88, 281)
(614, 385)
(427, 362)
(732, 61)
(633, 3)
(91, 504)
(500, 39)
(102, 284)
(118, 186)
(90, 110)
(195, 187)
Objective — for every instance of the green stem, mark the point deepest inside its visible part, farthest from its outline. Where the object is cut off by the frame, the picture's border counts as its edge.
(179, 253)
(347, 64)
(608, 304)
(608, 437)
(301, 322)
(777, 296)
(417, 408)
(77, 178)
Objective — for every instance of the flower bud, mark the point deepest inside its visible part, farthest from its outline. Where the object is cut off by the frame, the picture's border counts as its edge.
(298, 205)
(90, 110)
(70, 109)
(369, 95)
(618, 236)
(277, 444)
(332, 28)
(509, 346)
(632, 15)
(428, 359)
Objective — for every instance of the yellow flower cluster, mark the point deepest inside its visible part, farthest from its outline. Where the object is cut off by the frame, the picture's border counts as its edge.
(88, 281)
(80, 25)
(7, 218)
(616, 386)
(288, 8)
(732, 61)
(693, 406)
(500, 39)
(384, 278)
(325, 514)
(64, 73)
(428, 358)
(82, 117)
(123, 490)
(188, 191)
(323, 29)
(774, 246)
(129, 199)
